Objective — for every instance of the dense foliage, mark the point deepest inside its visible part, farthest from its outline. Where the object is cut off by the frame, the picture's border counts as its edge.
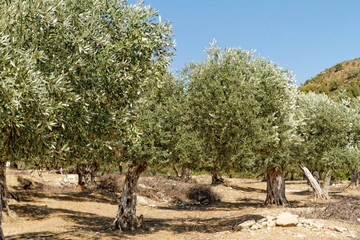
(330, 130)
(243, 109)
(95, 59)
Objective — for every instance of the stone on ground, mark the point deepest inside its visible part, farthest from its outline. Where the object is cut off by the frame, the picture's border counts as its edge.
(287, 219)
(141, 200)
(243, 225)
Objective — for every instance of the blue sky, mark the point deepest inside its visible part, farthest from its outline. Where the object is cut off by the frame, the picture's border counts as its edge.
(303, 36)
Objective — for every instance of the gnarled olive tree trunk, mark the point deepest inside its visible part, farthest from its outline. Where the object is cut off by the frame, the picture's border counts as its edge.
(185, 174)
(228, 171)
(322, 193)
(3, 188)
(87, 173)
(126, 218)
(216, 178)
(275, 192)
(326, 184)
(355, 178)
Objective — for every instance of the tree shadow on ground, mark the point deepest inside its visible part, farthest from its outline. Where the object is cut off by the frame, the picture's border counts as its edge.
(78, 196)
(85, 223)
(215, 206)
(66, 235)
(338, 196)
(93, 226)
(86, 220)
(301, 193)
(208, 225)
(248, 189)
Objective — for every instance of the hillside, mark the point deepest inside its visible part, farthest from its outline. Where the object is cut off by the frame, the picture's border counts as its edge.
(342, 76)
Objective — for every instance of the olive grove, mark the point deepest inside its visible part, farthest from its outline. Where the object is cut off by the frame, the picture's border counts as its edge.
(87, 84)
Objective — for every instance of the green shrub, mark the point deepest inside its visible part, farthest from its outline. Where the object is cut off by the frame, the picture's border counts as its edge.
(338, 67)
(341, 175)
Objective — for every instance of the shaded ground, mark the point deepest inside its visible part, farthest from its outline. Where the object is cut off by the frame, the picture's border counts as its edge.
(48, 211)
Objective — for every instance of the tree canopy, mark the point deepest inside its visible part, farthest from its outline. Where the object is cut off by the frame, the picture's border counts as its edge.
(242, 107)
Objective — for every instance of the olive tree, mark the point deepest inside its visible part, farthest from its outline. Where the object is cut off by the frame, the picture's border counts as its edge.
(243, 108)
(30, 98)
(166, 122)
(353, 162)
(96, 60)
(329, 134)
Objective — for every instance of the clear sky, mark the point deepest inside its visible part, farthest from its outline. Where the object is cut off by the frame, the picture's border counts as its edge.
(303, 36)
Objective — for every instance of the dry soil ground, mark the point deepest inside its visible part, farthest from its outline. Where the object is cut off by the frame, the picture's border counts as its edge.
(46, 211)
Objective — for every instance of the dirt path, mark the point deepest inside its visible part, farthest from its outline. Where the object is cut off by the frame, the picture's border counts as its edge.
(49, 212)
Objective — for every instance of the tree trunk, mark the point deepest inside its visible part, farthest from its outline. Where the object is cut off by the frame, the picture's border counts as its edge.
(228, 171)
(3, 188)
(1, 208)
(292, 175)
(316, 175)
(327, 184)
(314, 183)
(120, 165)
(355, 178)
(286, 174)
(275, 192)
(176, 171)
(216, 178)
(126, 218)
(185, 174)
(320, 174)
(87, 174)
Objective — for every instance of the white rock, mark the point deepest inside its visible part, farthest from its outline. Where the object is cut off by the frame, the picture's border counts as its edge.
(271, 223)
(264, 224)
(317, 225)
(141, 200)
(244, 225)
(255, 226)
(300, 236)
(331, 227)
(287, 219)
(262, 220)
(270, 217)
(358, 220)
(144, 186)
(340, 229)
(305, 221)
(352, 234)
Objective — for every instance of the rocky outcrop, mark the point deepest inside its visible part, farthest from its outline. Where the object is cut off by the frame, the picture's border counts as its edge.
(286, 219)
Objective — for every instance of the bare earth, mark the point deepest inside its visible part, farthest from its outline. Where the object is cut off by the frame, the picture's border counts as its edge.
(46, 211)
